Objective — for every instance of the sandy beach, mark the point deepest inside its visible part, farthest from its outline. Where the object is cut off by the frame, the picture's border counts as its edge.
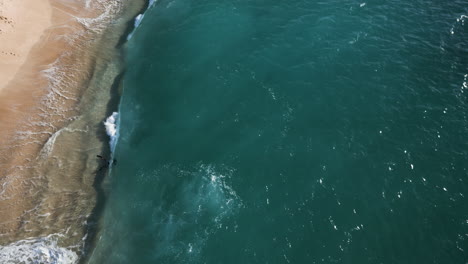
(58, 66)
(18, 35)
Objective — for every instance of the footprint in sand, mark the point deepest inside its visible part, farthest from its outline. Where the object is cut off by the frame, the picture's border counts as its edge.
(6, 20)
(4, 23)
(9, 54)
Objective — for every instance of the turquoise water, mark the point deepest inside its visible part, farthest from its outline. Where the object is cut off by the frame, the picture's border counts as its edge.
(271, 131)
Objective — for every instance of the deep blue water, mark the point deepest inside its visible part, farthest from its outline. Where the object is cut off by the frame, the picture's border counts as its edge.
(299, 131)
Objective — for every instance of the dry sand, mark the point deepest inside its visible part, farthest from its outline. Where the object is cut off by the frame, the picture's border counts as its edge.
(58, 62)
(22, 23)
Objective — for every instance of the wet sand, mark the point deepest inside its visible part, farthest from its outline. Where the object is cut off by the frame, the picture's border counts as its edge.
(55, 91)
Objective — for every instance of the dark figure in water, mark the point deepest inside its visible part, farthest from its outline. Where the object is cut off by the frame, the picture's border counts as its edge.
(108, 163)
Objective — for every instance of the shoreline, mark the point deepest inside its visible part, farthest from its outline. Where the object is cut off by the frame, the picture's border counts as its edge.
(100, 184)
(54, 108)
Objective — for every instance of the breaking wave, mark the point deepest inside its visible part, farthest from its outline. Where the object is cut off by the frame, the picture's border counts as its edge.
(140, 17)
(37, 250)
(111, 125)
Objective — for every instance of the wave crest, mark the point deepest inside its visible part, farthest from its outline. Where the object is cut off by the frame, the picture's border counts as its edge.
(111, 129)
(37, 250)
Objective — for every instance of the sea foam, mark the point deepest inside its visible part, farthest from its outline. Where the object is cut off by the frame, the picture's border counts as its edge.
(112, 129)
(37, 250)
(137, 22)
(140, 17)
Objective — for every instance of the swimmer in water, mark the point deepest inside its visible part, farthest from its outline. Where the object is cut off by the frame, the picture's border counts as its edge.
(114, 161)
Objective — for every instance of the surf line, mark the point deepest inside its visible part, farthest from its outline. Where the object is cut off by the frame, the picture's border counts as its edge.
(112, 130)
(140, 17)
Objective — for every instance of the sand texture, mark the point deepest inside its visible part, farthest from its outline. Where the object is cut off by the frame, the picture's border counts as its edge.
(22, 23)
(59, 61)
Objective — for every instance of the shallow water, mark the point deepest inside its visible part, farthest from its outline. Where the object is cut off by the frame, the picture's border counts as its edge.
(260, 131)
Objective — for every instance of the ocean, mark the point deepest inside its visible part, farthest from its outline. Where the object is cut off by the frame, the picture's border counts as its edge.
(261, 131)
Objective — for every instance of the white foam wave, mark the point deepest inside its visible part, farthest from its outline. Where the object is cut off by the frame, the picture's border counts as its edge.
(112, 129)
(49, 145)
(151, 3)
(140, 17)
(464, 84)
(461, 21)
(37, 250)
(108, 11)
(137, 22)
